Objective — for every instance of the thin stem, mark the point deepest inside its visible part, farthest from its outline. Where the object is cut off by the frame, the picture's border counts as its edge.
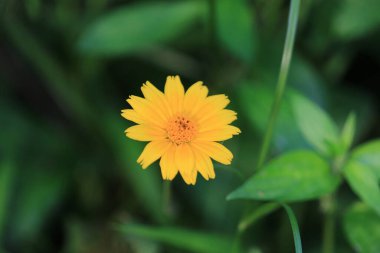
(260, 212)
(328, 204)
(166, 198)
(295, 228)
(281, 84)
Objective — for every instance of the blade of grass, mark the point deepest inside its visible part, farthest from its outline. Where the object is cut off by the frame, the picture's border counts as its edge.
(281, 84)
(295, 229)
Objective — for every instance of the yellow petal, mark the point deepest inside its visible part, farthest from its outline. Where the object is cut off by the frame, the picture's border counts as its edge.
(215, 150)
(194, 97)
(221, 134)
(158, 98)
(203, 164)
(147, 111)
(152, 152)
(212, 105)
(184, 159)
(218, 120)
(167, 163)
(132, 115)
(145, 133)
(174, 93)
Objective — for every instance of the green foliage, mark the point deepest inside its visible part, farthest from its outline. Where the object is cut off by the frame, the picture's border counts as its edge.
(316, 125)
(364, 183)
(356, 18)
(134, 28)
(235, 28)
(6, 179)
(194, 241)
(348, 131)
(294, 176)
(369, 155)
(362, 228)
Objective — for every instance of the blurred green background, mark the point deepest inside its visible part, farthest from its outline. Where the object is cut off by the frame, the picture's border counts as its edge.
(68, 175)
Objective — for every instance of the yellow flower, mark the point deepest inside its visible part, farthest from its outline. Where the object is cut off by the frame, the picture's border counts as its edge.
(182, 128)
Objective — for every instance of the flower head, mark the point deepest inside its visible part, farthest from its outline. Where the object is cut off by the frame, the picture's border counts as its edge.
(183, 129)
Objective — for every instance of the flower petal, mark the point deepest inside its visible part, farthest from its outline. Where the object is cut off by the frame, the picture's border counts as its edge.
(215, 150)
(175, 93)
(194, 98)
(203, 163)
(167, 163)
(212, 105)
(221, 134)
(147, 111)
(158, 98)
(218, 120)
(132, 115)
(145, 133)
(153, 151)
(184, 159)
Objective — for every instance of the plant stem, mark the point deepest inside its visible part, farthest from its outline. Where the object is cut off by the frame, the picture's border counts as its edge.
(256, 215)
(281, 84)
(328, 204)
(166, 196)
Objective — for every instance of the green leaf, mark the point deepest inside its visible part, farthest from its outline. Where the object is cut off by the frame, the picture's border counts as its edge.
(294, 176)
(316, 125)
(195, 241)
(364, 183)
(362, 228)
(357, 18)
(139, 27)
(235, 27)
(348, 131)
(369, 154)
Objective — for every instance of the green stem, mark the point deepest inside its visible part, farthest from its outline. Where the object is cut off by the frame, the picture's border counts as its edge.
(328, 205)
(281, 84)
(166, 198)
(260, 212)
(295, 228)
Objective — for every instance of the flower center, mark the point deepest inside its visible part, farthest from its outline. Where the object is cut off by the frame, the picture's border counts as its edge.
(181, 130)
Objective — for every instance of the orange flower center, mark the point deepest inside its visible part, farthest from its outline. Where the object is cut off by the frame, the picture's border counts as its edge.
(181, 130)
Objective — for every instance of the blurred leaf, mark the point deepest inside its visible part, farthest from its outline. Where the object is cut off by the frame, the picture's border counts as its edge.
(364, 183)
(294, 176)
(348, 131)
(257, 101)
(357, 18)
(40, 193)
(147, 183)
(235, 27)
(362, 228)
(6, 176)
(139, 27)
(369, 154)
(316, 125)
(194, 241)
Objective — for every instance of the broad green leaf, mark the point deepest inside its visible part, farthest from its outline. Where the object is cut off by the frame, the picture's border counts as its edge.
(369, 154)
(294, 176)
(256, 101)
(316, 125)
(362, 228)
(348, 131)
(139, 27)
(194, 241)
(235, 27)
(364, 183)
(357, 18)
